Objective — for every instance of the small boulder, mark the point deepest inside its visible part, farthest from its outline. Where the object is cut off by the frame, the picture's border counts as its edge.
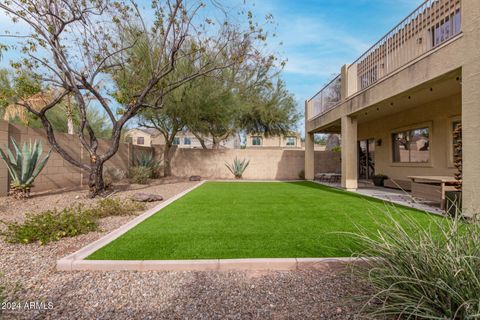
(146, 197)
(195, 178)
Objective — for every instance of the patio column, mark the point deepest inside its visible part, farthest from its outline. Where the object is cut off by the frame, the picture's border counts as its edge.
(309, 156)
(471, 108)
(349, 153)
(309, 149)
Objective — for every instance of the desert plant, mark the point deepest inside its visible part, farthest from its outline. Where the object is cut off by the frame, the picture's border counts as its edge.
(140, 175)
(116, 207)
(147, 160)
(51, 225)
(237, 168)
(24, 167)
(112, 174)
(423, 272)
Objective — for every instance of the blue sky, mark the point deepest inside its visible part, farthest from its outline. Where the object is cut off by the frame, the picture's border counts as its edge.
(319, 36)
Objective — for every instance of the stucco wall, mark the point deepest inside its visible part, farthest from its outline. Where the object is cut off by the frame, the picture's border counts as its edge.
(58, 173)
(3, 168)
(438, 116)
(268, 164)
(264, 164)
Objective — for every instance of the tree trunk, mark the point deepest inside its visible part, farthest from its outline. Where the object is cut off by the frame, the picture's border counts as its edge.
(70, 125)
(201, 140)
(167, 169)
(95, 181)
(215, 143)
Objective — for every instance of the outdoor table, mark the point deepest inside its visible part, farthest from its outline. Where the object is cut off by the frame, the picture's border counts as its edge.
(433, 187)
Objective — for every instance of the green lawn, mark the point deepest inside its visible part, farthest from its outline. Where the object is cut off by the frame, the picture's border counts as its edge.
(253, 220)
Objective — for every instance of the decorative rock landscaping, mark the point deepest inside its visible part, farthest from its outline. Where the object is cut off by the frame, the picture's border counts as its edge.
(146, 197)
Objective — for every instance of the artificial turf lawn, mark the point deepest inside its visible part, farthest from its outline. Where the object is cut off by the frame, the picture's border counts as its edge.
(253, 220)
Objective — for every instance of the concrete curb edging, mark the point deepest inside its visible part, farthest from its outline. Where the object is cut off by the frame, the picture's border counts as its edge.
(261, 264)
(94, 246)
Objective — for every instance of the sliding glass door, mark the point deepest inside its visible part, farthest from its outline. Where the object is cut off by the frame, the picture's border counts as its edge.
(366, 159)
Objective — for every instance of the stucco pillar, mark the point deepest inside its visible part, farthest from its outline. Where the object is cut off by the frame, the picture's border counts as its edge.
(4, 137)
(349, 153)
(309, 149)
(309, 156)
(471, 107)
(344, 91)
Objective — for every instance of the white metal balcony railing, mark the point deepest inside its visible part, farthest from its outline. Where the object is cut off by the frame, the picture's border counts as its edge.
(431, 24)
(327, 98)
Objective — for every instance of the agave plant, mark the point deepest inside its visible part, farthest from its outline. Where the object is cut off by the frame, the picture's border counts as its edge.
(238, 167)
(24, 167)
(147, 160)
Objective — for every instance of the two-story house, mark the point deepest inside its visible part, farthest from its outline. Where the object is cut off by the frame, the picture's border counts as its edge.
(292, 140)
(184, 139)
(397, 106)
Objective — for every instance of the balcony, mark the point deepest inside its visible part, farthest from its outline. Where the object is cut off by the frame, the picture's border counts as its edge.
(430, 25)
(327, 98)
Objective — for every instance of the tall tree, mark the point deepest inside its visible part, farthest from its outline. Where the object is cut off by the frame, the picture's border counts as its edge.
(72, 45)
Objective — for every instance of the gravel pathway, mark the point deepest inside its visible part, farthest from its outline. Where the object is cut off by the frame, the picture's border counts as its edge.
(29, 275)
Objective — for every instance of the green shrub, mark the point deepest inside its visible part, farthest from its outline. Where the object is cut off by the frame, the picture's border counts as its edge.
(51, 225)
(116, 207)
(112, 174)
(147, 160)
(140, 175)
(423, 272)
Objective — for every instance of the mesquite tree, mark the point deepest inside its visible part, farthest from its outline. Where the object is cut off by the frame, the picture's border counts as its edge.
(76, 48)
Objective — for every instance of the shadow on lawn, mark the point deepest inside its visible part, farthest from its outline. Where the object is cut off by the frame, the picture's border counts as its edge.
(369, 199)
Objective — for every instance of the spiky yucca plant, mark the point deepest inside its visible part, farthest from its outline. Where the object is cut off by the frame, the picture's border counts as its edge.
(237, 168)
(24, 167)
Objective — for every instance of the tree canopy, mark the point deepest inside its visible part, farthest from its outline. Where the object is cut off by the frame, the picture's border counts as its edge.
(72, 46)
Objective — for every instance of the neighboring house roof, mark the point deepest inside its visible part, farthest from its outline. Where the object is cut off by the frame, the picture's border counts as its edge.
(151, 131)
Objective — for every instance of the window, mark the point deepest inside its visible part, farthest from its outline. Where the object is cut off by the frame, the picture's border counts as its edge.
(187, 141)
(291, 141)
(411, 146)
(256, 141)
(447, 28)
(176, 141)
(140, 140)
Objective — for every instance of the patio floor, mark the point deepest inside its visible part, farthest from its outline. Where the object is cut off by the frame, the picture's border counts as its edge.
(391, 195)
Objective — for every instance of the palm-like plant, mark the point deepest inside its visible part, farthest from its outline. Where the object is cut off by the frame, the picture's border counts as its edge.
(24, 167)
(238, 167)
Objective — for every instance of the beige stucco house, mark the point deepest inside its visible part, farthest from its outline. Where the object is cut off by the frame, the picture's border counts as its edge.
(397, 105)
(184, 139)
(292, 140)
(141, 137)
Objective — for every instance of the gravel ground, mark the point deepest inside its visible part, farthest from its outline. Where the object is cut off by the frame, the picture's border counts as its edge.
(29, 275)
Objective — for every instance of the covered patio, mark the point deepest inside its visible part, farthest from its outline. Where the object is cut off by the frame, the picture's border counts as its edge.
(396, 196)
